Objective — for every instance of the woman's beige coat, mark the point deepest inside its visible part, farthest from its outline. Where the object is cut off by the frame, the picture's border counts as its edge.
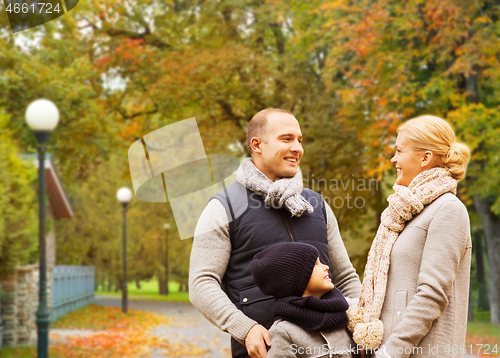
(426, 301)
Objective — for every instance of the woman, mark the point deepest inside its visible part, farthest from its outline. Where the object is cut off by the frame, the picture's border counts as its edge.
(415, 289)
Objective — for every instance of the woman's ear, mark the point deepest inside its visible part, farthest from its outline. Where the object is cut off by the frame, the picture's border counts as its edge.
(427, 159)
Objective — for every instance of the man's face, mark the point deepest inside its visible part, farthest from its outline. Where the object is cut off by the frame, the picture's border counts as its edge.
(279, 156)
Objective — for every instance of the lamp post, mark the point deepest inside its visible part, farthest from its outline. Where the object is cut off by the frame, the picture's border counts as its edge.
(124, 195)
(42, 116)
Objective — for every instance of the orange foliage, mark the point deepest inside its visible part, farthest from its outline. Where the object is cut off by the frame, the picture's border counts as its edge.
(483, 346)
(118, 335)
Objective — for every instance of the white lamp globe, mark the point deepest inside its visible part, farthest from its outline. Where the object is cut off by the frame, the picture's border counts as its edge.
(42, 115)
(166, 226)
(124, 195)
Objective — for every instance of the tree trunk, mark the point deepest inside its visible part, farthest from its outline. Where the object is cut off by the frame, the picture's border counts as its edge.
(483, 302)
(138, 284)
(97, 281)
(102, 282)
(491, 227)
(470, 314)
(162, 285)
(491, 222)
(166, 265)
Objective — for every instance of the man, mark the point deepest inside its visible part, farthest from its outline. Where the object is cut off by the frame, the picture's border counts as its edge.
(237, 224)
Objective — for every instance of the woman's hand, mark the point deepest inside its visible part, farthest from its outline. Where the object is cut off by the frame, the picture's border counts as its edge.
(382, 352)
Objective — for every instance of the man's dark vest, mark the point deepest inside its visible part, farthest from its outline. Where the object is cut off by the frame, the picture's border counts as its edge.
(253, 226)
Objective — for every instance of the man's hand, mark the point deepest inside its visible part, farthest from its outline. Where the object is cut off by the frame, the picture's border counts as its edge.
(255, 341)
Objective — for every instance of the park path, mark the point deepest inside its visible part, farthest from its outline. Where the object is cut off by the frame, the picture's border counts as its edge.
(190, 326)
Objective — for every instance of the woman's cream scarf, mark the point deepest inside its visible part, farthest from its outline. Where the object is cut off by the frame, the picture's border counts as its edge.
(405, 203)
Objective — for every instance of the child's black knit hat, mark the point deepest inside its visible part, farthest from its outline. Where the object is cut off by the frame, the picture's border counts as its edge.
(284, 269)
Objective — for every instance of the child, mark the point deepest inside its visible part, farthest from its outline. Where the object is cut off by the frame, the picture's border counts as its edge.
(310, 313)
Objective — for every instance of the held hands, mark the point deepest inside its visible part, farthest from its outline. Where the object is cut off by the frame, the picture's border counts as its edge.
(352, 301)
(256, 340)
(382, 353)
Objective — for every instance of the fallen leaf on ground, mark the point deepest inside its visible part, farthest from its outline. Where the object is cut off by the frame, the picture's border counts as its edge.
(117, 335)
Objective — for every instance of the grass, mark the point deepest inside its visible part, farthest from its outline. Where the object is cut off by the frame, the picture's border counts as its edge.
(24, 352)
(481, 316)
(483, 339)
(482, 336)
(484, 329)
(18, 352)
(149, 291)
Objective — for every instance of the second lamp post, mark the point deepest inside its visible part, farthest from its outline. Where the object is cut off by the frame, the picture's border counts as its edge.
(124, 195)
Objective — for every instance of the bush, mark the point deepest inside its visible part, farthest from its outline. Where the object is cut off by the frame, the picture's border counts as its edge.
(18, 206)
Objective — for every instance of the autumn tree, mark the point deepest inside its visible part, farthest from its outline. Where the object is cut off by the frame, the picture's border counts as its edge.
(395, 60)
(18, 204)
(119, 70)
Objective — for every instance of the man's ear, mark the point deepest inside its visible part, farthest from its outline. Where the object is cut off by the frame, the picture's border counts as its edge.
(256, 145)
(427, 159)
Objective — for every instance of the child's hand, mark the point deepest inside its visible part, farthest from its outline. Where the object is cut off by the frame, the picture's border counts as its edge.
(352, 301)
(382, 353)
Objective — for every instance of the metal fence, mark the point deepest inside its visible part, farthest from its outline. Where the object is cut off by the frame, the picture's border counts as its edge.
(72, 288)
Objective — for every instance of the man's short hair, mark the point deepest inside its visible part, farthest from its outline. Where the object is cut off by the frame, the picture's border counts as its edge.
(257, 127)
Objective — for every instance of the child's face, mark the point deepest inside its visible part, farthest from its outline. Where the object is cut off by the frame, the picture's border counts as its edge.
(320, 282)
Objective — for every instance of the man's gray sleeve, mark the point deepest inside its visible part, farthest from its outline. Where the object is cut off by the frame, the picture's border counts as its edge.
(209, 259)
(344, 275)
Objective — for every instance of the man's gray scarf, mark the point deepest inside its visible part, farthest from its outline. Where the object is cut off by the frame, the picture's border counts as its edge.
(283, 191)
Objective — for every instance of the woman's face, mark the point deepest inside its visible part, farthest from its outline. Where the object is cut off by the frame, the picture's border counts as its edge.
(408, 162)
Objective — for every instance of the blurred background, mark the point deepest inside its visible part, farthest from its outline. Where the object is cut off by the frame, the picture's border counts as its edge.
(351, 71)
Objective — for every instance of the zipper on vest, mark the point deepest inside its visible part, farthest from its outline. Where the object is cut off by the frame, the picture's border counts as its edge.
(288, 227)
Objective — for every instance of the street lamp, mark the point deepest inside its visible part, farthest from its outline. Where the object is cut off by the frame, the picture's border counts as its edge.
(42, 117)
(124, 195)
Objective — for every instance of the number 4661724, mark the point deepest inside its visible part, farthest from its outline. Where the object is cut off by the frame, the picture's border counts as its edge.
(25, 8)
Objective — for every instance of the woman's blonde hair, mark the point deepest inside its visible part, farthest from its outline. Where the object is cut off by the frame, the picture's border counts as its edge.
(435, 134)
